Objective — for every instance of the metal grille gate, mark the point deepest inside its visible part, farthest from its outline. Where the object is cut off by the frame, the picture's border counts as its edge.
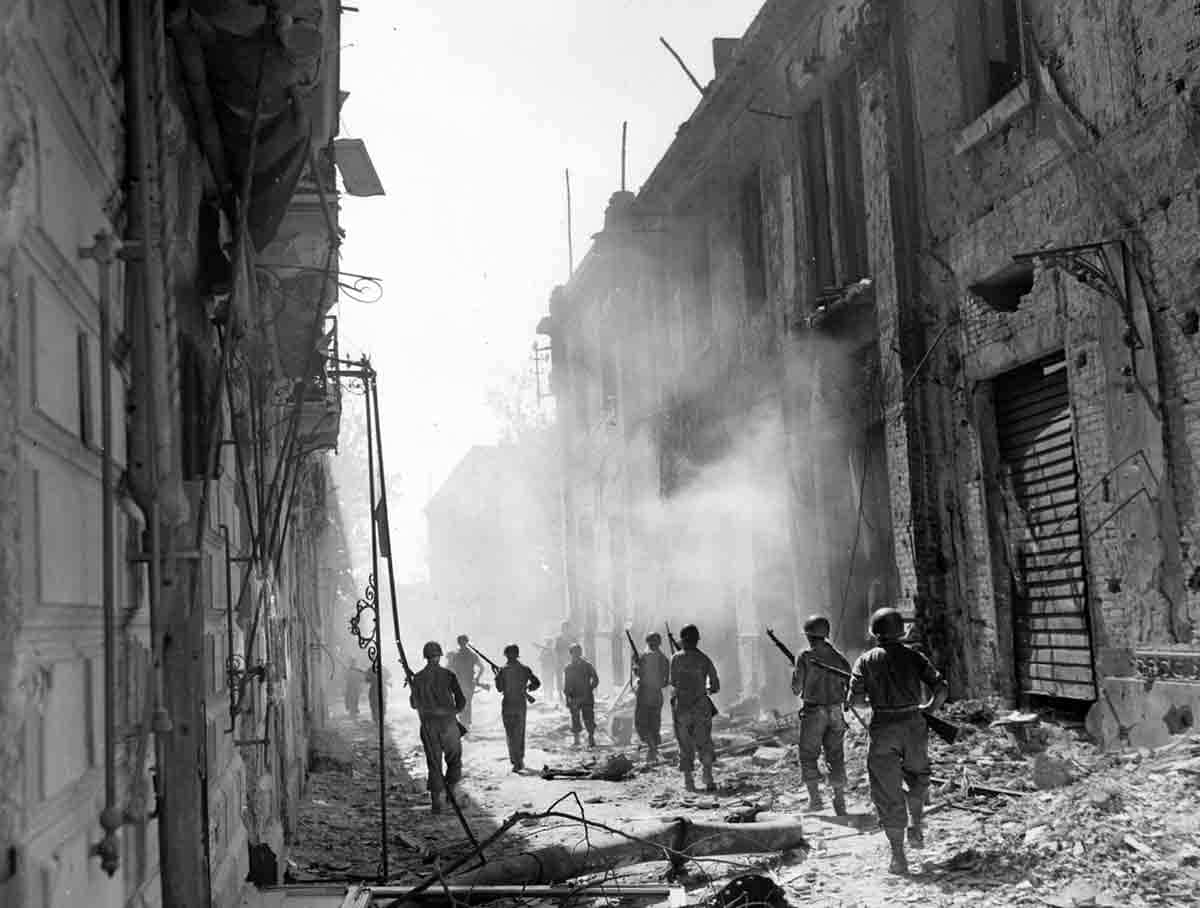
(1053, 644)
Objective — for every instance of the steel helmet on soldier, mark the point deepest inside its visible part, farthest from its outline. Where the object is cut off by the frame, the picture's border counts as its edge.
(817, 626)
(431, 650)
(887, 624)
(654, 638)
(463, 639)
(690, 634)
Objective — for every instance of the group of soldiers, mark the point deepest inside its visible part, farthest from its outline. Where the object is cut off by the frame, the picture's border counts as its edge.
(890, 677)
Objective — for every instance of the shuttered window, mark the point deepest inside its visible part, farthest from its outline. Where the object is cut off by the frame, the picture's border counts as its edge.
(1040, 485)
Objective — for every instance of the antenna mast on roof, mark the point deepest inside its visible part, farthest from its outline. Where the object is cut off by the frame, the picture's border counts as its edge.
(570, 244)
(624, 133)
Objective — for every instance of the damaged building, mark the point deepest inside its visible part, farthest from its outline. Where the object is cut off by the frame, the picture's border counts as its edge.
(169, 533)
(906, 315)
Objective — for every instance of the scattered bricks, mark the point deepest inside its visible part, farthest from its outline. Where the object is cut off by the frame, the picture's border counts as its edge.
(1051, 772)
(769, 756)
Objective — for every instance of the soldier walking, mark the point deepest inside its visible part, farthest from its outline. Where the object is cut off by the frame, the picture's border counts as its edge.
(466, 667)
(352, 688)
(822, 722)
(889, 677)
(514, 681)
(579, 684)
(653, 671)
(694, 677)
(562, 654)
(437, 698)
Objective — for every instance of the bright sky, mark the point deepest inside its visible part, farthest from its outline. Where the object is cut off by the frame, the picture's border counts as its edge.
(471, 112)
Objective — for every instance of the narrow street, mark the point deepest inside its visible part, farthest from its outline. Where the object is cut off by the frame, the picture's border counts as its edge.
(1121, 832)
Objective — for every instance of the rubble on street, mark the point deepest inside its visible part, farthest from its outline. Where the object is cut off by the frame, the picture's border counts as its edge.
(1116, 828)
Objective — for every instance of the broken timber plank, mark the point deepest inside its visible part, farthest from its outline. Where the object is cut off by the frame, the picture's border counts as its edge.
(471, 893)
(646, 841)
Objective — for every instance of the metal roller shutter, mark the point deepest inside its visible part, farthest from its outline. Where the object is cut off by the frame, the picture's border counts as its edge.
(1053, 643)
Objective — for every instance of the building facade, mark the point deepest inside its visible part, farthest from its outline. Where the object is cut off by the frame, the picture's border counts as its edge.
(494, 549)
(168, 234)
(903, 316)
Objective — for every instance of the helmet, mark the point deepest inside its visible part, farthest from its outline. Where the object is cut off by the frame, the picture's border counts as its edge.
(463, 639)
(512, 651)
(816, 626)
(431, 650)
(576, 648)
(654, 638)
(690, 634)
(887, 624)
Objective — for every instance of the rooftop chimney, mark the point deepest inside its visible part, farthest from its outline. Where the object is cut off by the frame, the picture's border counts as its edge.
(724, 50)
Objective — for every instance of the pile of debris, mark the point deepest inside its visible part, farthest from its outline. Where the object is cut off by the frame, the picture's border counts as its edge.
(1124, 830)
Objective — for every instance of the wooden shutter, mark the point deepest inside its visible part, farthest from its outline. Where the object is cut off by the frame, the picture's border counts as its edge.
(1053, 643)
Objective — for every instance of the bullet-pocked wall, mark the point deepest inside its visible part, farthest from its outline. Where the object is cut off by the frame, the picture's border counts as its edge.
(987, 206)
(1050, 151)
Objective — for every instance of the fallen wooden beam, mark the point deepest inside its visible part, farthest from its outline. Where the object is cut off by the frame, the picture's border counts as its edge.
(604, 848)
(458, 892)
(979, 789)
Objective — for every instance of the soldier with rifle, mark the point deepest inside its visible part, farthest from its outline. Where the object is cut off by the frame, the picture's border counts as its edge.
(466, 667)
(653, 673)
(889, 677)
(438, 698)
(694, 678)
(514, 681)
(822, 722)
(579, 688)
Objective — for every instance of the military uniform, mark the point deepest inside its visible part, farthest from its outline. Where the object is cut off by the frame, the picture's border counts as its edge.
(465, 665)
(579, 682)
(653, 674)
(822, 721)
(694, 676)
(437, 698)
(513, 680)
(891, 675)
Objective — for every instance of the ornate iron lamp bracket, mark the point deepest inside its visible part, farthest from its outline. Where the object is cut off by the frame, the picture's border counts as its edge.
(366, 639)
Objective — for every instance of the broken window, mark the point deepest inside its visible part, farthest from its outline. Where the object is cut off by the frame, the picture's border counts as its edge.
(816, 197)
(847, 178)
(834, 195)
(753, 262)
(1004, 289)
(993, 62)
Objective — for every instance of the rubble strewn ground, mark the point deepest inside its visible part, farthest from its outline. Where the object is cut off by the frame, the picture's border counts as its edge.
(1073, 827)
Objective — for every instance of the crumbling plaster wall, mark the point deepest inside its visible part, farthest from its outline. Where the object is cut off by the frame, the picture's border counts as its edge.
(16, 188)
(1106, 144)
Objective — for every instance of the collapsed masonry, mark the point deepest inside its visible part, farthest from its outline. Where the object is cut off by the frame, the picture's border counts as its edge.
(905, 314)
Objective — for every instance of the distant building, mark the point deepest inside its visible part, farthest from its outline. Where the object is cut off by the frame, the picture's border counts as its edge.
(494, 546)
(906, 315)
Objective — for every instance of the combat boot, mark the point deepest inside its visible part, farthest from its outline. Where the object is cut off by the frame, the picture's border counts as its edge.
(652, 756)
(815, 801)
(689, 781)
(576, 744)
(435, 801)
(899, 862)
(591, 739)
(839, 801)
(707, 774)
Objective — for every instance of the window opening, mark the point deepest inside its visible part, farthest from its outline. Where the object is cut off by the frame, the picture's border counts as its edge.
(753, 263)
(1002, 46)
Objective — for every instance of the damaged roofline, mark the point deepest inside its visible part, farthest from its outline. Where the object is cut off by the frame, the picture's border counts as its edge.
(725, 100)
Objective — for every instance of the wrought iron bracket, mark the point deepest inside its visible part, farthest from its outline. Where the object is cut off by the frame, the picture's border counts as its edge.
(369, 602)
(1089, 264)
